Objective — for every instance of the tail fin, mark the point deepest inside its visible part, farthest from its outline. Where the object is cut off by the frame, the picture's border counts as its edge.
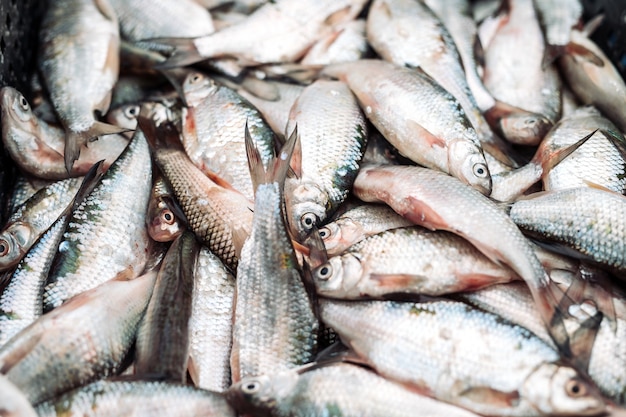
(549, 160)
(75, 140)
(163, 136)
(184, 52)
(552, 52)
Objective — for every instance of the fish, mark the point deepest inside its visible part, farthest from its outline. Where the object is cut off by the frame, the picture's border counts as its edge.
(332, 136)
(336, 389)
(407, 260)
(346, 43)
(135, 397)
(211, 323)
(279, 31)
(38, 147)
(213, 131)
(162, 345)
(12, 401)
(400, 101)
(220, 217)
(358, 223)
(274, 325)
(81, 341)
(533, 93)
(106, 234)
(434, 200)
(79, 41)
(21, 301)
(439, 361)
(164, 219)
(584, 222)
(33, 218)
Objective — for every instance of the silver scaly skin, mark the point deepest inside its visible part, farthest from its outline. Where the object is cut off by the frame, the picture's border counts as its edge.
(137, 398)
(213, 131)
(81, 341)
(12, 401)
(339, 390)
(587, 222)
(106, 233)
(504, 371)
(333, 135)
(410, 260)
(211, 323)
(347, 43)
(557, 18)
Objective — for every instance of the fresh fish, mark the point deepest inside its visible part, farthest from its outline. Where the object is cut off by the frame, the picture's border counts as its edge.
(125, 116)
(213, 131)
(584, 222)
(79, 41)
(274, 325)
(137, 398)
(439, 202)
(341, 389)
(106, 234)
(357, 224)
(33, 218)
(423, 121)
(518, 79)
(81, 341)
(409, 260)
(601, 86)
(12, 401)
(38, 147)
(596, 161)
(333, 134)
(346, 43)
(162, 337)
(503, 370)
(24, 188)
(279, 31)
(211, 323)
(220, 217)
(163, 219)
(21, 301)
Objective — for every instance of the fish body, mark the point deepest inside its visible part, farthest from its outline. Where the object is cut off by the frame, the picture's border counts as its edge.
(137, 398)
(211, 323)
(79, 41)
(418, 117)
(213, 131)
(346, 43)
(524, 378)
(85, 339)
(12, 401)
(106, 233)
(340, 389)
(410, 260)
(333, 135)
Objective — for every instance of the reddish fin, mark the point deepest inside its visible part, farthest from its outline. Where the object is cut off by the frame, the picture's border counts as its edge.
(399, 281)
(597, 186)
(213, 176)
(424, 215)
(255, 164)
(184, 52)
(339, 16)
(423, 134)
(296, 157)
(488, 395)
(582, 53)
(552, 159)
(164, 136)
(592, 25)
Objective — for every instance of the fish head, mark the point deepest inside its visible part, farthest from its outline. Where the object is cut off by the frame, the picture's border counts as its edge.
(18, 119)
(466, 162)
(124, 116)
(259, 394)
(198, 87)
(13, 241)
(163, 225)
(560, 390)
(340, 235)
(338, 277)
(306, 205)
(525, 128)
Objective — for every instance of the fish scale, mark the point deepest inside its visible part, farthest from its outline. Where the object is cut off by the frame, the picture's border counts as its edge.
(106, 233)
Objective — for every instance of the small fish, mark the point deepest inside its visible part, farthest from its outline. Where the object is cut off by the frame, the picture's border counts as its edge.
(341, 389)
(409, 260)
(12, 401)
(400, 101)
(161, 349)
(139, 398)
(333, 135)
(164, 219)
(346, 43)
(274, 325)
(79, 41)
(81, 341)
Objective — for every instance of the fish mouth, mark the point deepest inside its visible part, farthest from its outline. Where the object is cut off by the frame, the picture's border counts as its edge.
(525, 129)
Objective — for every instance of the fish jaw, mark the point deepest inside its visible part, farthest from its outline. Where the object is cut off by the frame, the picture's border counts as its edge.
(339, 277)
(14, 242)
(525, 129)
(467, 163)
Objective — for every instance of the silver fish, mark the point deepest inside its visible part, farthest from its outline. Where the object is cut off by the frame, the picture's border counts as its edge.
(164, 220)
(346, 43)
(12, 401)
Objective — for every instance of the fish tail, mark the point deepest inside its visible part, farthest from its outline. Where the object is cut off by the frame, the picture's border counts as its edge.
(163, 136)
(549, 301)
(184, 52)
(552, 52)
(75, 140)
(91, 179)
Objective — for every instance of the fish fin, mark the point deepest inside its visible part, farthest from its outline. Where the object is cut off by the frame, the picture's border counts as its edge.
(495, 151)
(316, 248)
(255, 163)
(422, 133)
(106, 10)
(491, 396)
(617, 139)
(403, 281)
(595, 286)
(75, 140)
(477, 281)
(549, 299)
(163, 136)
(184, 52)
(339, 16)
(239, 237)
(479, 52)
(597, 186)
(593, 24)
(300, 73)
(422, 214)
(581, 53)
(261, 89)
(339, 353)
(91, 179)
(192, 368)
(309, 287)
(296, 156)
(213, 176)
(556, 157)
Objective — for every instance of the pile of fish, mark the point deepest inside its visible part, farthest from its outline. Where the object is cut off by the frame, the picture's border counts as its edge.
(315, 208)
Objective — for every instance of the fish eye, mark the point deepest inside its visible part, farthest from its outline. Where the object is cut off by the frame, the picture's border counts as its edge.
(251, 387)
(575, 388)
(480, 170)
(308, 220)
(4, 247)
(325, 232)
(24, 103)
(131, 112)
(167, 217)
(195, 78)
(324, 272)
